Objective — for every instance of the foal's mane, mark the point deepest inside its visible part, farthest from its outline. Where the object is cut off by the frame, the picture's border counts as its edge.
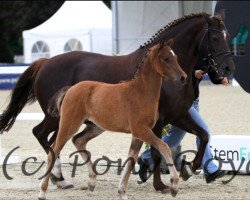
(171, 25)
(138, 67)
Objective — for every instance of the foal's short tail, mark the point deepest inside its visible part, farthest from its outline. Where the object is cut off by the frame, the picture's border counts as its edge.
(56, 101)
(22, 94)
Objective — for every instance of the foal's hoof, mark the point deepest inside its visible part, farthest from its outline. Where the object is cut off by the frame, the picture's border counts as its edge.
(84, 188)
(91, 187)
(173, 192)
(175, 186)
(123, 197)
(186, 172)
(41, 196)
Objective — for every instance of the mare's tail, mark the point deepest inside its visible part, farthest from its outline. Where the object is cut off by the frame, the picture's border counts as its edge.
(22, 94)
(56, 101)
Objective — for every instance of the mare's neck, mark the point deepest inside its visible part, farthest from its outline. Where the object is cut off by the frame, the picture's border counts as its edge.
(187, 38)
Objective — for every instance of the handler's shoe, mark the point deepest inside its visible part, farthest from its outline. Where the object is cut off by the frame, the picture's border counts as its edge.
(212, 177)
(143, 171)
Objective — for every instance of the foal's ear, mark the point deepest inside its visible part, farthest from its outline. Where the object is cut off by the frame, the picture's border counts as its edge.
(160, 45)
(170, 42)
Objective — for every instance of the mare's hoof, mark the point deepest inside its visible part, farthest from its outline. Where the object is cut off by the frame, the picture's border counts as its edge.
(160, 186)
(54, 179)
(186, 172)
(64, 184)
(165, 190)
(60, 182)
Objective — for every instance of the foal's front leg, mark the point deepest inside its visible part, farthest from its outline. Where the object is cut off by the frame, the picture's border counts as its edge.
(132, 158)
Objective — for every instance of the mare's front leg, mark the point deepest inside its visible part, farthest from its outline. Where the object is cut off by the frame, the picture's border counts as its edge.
(156, 156)
(189, 125)
(146, 135)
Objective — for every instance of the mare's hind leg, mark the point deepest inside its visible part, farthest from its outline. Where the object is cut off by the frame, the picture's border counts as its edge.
(146, 135)
(132, 158)
(80, 141)
(41, 132)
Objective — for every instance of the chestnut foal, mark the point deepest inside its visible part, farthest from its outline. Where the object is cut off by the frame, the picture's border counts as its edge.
(130, 107)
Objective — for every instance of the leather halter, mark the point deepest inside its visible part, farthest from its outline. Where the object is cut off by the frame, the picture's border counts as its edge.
(212, 65)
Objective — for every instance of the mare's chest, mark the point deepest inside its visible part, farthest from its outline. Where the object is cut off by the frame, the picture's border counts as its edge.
(175, 101)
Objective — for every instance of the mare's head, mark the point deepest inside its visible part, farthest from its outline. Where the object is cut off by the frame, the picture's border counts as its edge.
(214, 47)
(164, 60)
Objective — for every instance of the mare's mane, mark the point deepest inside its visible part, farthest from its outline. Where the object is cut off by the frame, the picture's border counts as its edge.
(160, 33)
(171, 25)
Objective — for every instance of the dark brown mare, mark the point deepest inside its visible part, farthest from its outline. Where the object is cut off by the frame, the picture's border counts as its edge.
(129, 107)
(195, 35)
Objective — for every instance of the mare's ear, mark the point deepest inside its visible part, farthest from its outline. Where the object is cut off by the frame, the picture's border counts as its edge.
(207, 18)
(170, 42)
(220, 14)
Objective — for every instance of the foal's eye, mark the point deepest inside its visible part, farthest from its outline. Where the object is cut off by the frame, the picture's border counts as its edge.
(165, 59)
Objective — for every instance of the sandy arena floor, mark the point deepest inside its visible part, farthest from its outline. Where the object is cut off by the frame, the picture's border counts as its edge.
(226, 110)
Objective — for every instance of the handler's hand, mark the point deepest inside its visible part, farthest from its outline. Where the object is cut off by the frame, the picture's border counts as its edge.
(199, 74)
(225, 81)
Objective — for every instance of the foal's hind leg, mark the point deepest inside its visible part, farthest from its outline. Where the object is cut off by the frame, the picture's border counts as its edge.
(146, 135)
(69, 124)
(80, 141)
(132, 158)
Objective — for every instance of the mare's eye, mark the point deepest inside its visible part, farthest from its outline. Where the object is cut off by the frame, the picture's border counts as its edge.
(215, 39)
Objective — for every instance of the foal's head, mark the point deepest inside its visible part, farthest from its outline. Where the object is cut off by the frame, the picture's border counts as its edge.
(165, 62)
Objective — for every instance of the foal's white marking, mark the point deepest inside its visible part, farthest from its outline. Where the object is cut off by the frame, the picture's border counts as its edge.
(172, 52)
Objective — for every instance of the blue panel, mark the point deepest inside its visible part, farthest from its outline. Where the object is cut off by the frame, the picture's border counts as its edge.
(8, 81)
